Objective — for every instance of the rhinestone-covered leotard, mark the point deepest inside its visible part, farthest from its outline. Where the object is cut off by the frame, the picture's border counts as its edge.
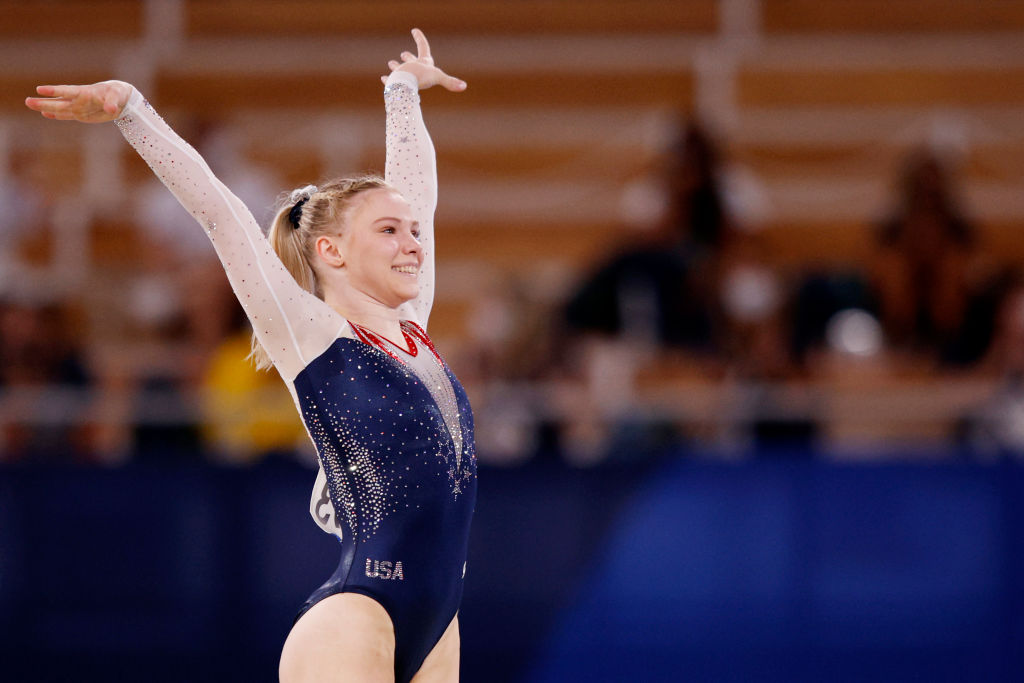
(392, 425)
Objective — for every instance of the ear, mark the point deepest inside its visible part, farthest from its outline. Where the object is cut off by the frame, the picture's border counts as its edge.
(329, 251)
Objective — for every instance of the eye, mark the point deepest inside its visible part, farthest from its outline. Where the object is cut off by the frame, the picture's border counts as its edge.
(389, 229)
(416, 233)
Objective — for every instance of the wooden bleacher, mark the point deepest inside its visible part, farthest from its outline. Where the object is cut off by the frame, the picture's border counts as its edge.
(926, 87)
(70, 19)
(251, 18)
(824, 94)
(830, 17)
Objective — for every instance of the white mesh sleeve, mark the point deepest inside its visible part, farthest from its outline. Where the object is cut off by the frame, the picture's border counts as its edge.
(411, 167)
(292, 325)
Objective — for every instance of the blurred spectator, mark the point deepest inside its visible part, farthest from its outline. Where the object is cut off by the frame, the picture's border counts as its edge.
(698, 296)
(1006, 354)
(184, 336)
(928, 303)
(998, 426)
(696, 202)
(44, 380)
(246, 414)
(658, 291)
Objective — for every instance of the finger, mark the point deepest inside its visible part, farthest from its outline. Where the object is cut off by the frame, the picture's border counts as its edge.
(44, 104)
(408, 57)
(68, 91)
(392, 64)
(452, 83)
(384, 80)
(422, 46)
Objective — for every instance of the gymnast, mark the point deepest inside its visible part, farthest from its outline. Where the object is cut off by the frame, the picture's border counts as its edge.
(339, 293)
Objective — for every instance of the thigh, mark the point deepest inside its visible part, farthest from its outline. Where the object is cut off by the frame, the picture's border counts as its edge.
(442, 664)
(344, 637)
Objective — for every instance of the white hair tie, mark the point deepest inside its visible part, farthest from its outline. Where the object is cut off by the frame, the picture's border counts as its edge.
(300, 197)
(302, 193)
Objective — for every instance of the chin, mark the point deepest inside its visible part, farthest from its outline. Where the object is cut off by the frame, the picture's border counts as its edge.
(406, 295)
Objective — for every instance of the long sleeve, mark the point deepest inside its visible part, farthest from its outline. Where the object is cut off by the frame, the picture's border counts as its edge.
(291, 324)
(411, 167)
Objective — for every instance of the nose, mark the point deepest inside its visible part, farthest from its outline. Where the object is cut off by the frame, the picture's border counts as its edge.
(410, 245)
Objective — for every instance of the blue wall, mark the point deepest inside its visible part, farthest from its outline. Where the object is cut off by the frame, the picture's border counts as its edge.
(662, 571)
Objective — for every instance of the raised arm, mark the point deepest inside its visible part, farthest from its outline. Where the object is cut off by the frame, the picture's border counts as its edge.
(291, 324)
(411, 164)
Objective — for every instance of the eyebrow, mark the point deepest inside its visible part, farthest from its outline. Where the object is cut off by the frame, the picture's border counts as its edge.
(396, 220)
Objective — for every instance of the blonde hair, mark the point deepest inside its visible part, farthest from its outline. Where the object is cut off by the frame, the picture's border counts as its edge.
(302, 216)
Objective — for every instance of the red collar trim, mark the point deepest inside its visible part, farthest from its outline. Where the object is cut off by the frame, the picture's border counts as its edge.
(410, 331)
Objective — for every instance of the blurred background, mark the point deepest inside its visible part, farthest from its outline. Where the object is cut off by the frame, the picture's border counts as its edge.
(736, 288)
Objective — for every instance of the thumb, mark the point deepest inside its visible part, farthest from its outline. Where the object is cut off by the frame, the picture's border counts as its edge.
(110, 102)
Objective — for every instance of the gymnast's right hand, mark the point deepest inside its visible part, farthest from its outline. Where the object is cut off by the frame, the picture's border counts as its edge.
(94, 103)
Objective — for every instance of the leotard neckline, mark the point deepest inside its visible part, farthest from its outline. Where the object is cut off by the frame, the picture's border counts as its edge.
(411, 332)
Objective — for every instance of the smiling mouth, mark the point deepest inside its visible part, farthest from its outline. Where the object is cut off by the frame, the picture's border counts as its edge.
(408, 270)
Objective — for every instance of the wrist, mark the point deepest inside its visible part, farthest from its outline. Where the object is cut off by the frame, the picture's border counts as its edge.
(405, 77)
(133, 101)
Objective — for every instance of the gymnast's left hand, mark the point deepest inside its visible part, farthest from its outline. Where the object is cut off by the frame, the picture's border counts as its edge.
(422, 67)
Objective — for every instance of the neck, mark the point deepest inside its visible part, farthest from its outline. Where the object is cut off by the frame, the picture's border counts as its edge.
(365, 311)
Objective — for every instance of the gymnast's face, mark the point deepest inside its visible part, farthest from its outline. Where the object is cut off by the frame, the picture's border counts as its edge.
(381, 249)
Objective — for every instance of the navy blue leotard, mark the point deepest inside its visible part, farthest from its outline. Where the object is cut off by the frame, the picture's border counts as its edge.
(391, 424)
(403, 487)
